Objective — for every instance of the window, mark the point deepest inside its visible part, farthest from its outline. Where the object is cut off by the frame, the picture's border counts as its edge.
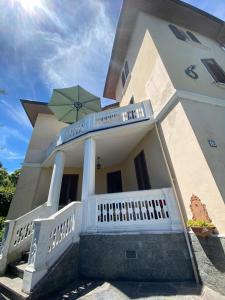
(125, 73)
(123, 79)
(114, 182)
(126, 69)
(180, 34)
(184, 36)
(132, 100)
(214, 69)
(142, 172)
(193, 37)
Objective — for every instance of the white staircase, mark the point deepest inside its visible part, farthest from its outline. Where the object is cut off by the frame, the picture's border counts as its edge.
(33, 243)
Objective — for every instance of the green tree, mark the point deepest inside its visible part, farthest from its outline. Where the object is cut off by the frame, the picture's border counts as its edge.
(7, 188)
(14, 177)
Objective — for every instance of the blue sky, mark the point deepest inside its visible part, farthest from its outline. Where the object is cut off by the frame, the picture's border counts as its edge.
(48, 44)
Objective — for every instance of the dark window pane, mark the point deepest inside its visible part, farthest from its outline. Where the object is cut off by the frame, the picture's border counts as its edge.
(126, 69)
(123, 79)
(193, 37)
(132, 100)
(141, 172)
(214, 69)
(178, 33)
(114, 182)
(68, 189)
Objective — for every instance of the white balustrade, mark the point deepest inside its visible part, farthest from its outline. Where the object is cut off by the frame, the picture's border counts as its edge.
(106, 119)
(151, 210)
(52, 236)
(18, 234)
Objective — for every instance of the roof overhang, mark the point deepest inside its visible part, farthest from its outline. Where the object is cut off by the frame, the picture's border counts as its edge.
(33, 108)
(175, 11)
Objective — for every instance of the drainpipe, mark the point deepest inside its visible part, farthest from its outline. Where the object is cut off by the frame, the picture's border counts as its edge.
(179, 207)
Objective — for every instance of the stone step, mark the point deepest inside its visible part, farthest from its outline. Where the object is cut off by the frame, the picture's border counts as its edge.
(11, 287)
(17, 268)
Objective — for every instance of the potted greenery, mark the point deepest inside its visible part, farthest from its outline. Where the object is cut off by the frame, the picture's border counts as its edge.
(201, 228)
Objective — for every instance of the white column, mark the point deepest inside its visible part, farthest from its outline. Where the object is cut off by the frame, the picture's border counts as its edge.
(56, 181)
(88, 183)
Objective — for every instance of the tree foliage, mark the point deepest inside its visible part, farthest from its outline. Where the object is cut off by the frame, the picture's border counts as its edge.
(7, 188)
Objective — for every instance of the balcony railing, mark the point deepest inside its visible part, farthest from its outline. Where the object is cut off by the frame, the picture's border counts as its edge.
(106, 119)
(150, 210)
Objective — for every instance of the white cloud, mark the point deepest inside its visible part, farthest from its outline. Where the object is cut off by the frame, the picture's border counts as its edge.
(79, 58)
(6, 154)
(15, 113)
(7, 133)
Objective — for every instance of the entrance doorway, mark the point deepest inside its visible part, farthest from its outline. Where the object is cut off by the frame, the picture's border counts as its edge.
(114, 182)
(68, 189)
(142, 172)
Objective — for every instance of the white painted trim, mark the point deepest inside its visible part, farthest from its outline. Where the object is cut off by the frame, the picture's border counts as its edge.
(132, 232)
(201, 98)
(31, 165)
(180, 95)
(95, 134)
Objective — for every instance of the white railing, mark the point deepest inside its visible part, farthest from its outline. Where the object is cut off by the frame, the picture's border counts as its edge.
(52, 236)
(150, 210)
(18, 234)
(103, 120)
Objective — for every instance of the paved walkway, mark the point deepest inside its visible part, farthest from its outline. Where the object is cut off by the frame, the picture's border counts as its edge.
(136, 291)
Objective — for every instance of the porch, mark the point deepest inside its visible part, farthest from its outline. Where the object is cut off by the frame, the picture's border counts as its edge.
(120, 177)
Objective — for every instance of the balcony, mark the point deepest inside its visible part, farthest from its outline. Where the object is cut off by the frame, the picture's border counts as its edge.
(121, 116)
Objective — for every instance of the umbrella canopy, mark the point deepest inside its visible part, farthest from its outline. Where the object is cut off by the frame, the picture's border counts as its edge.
(71, 104)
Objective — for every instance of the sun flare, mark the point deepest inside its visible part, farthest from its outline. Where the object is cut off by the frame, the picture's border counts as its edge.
(29, 5)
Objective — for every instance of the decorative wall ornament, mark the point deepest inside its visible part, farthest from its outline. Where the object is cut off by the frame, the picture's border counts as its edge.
(191, 73)
(34, 242)
(199, 210)
(5, 235)
(33, 252)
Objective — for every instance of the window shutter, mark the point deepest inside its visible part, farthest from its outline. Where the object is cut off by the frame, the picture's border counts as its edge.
(123, 79)
(126, 69)
(132, 100)
(214, 69)
(178, 33)
(193, 37)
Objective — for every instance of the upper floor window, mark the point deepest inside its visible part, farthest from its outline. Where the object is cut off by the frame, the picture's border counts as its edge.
(125, 73)
(193, 37)
(214, 69)
(182, 35)
(132, 100)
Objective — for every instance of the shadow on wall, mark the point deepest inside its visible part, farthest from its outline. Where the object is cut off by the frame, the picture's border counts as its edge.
(208, 123)
(214, 251)
(125, 290)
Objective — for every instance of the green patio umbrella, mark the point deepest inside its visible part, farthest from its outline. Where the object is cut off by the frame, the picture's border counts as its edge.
(71, 104)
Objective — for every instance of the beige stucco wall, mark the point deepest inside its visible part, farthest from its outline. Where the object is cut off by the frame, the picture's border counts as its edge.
(25, 192)
(186, 131)
(158, 175)
(45, 130)
(148, 77)
(177, 55)
(157, 61)
(34, 181)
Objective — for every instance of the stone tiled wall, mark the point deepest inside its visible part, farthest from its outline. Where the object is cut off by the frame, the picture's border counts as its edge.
(210, 258)
(159, 257)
